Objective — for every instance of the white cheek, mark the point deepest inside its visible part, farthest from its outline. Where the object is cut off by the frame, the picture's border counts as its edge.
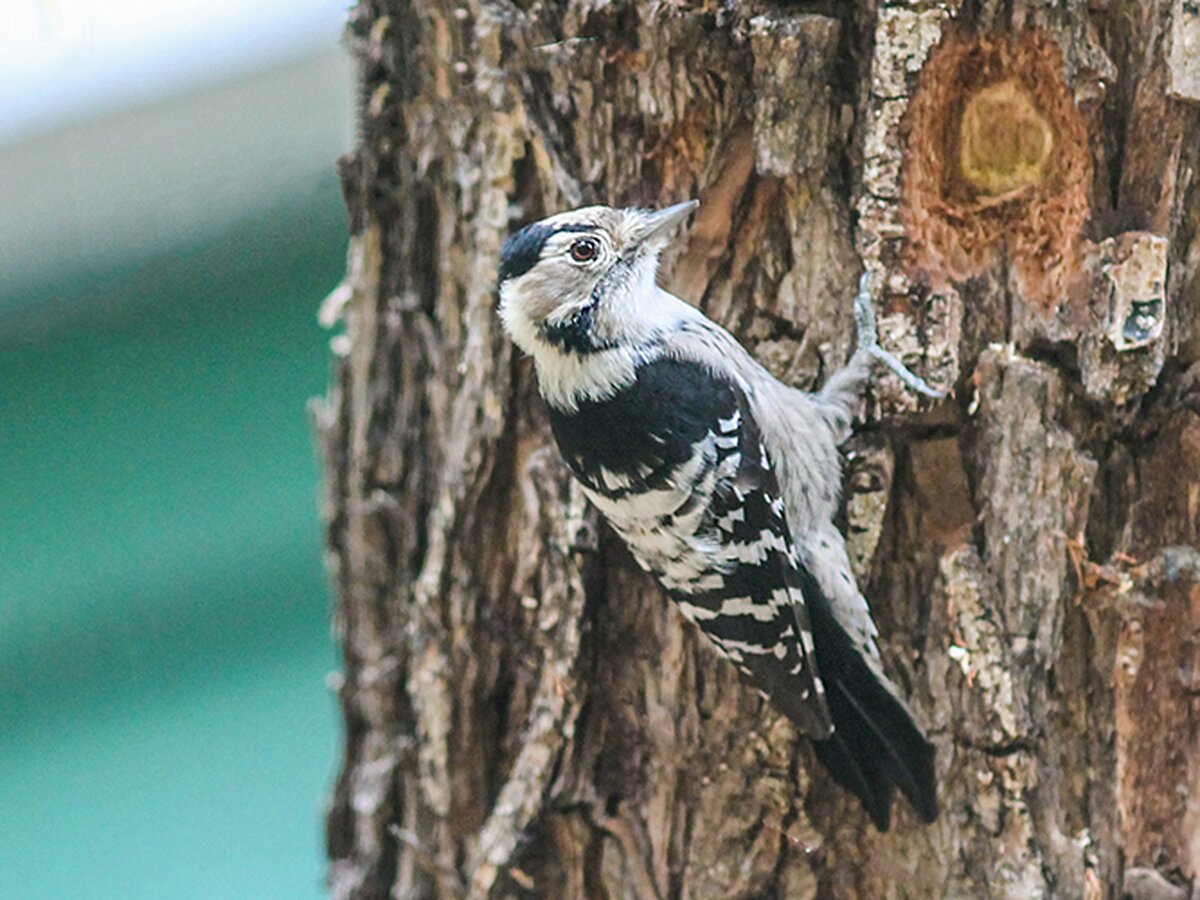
(555, 290)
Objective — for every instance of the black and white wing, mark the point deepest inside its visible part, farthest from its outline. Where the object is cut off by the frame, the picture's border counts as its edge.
(676, 464)
(752, 604)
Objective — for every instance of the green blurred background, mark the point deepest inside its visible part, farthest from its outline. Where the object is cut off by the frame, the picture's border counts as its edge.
(165, 725)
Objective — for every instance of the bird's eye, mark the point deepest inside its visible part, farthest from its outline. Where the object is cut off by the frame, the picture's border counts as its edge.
(584, 250)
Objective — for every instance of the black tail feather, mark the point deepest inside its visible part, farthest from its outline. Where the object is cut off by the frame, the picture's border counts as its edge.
(875, 744)
(861, 777)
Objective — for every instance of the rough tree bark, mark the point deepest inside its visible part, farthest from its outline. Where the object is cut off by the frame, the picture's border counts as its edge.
(524, 712)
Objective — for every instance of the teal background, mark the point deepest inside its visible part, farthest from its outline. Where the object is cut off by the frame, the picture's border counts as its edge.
(165, 725)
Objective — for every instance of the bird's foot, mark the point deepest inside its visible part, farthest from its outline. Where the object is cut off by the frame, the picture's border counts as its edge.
(868, 342)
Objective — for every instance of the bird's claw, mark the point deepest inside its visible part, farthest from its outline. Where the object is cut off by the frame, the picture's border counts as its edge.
(868, 341)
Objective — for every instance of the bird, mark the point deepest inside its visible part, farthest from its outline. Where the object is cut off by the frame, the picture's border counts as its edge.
(722, 481)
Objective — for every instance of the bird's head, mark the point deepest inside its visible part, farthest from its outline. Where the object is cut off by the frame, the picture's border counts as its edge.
(583, 281)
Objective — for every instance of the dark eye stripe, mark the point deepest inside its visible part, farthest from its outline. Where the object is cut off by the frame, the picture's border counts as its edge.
(523, 249)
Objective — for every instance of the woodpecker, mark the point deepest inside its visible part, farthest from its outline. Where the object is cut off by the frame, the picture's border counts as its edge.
(721, 480)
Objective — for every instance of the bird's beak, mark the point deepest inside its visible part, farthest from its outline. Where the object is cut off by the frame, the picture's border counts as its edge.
(658, 224)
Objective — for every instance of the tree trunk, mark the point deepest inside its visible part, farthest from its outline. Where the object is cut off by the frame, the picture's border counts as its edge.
(525, 713)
